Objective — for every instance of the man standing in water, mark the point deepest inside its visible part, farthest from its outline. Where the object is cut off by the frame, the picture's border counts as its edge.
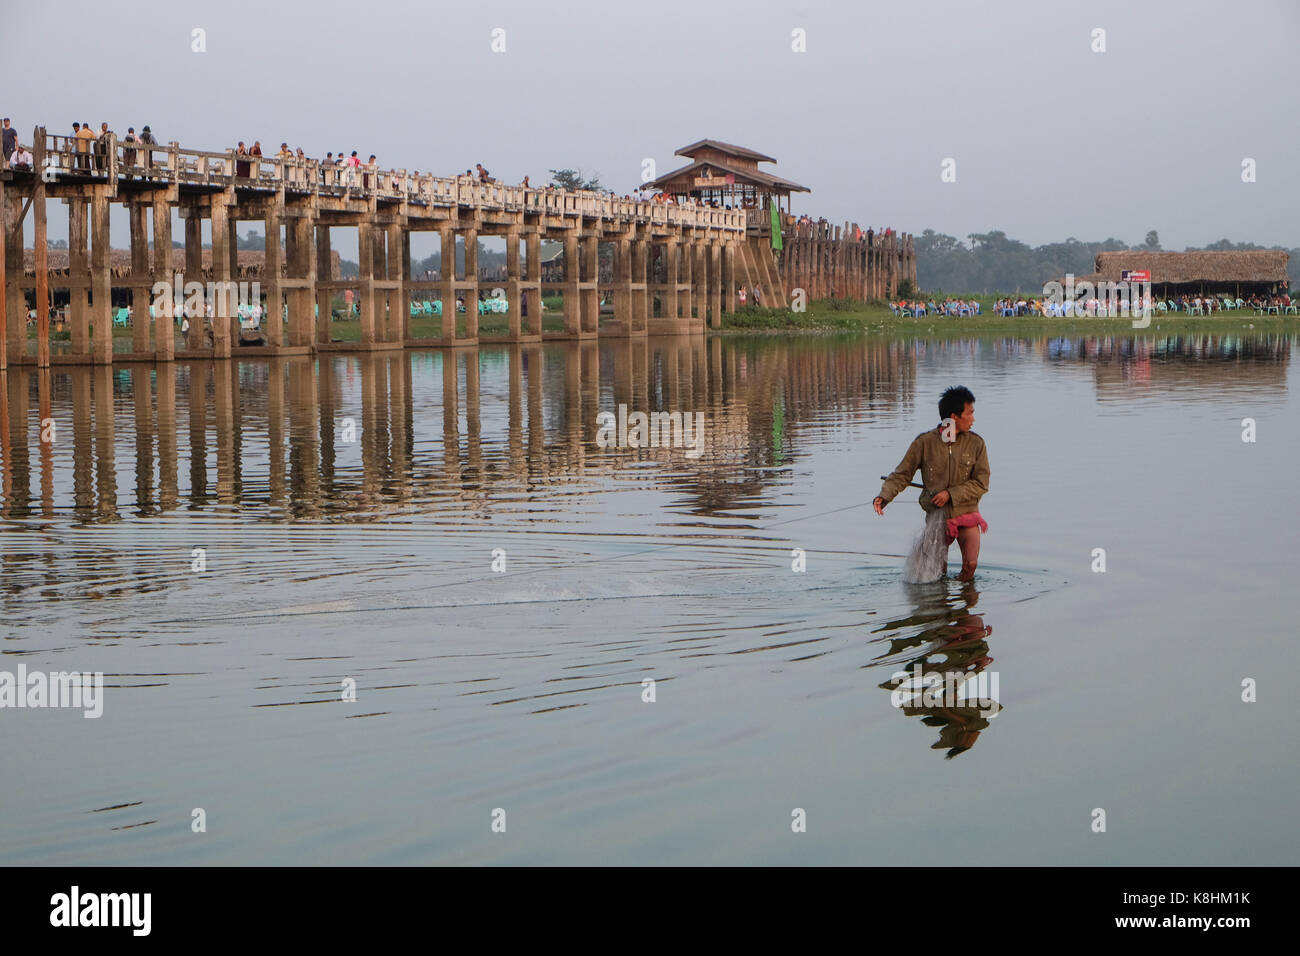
(954, 471)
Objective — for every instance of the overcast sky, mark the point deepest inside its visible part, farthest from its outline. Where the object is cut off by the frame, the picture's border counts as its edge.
(1050, 139)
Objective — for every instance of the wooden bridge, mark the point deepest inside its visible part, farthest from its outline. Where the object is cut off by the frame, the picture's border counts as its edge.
(676, 268)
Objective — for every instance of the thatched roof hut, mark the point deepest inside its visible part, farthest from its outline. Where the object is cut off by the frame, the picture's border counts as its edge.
(1256, 271)
(251, 263)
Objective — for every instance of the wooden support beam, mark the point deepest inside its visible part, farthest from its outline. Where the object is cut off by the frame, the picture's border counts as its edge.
(273, 318)
(223, 302)
(164, 322)
(101, 279)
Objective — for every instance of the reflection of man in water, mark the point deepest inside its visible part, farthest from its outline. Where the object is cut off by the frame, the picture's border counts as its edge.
(955, 651)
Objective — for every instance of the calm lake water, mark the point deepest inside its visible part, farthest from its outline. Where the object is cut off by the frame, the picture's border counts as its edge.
(349, 511)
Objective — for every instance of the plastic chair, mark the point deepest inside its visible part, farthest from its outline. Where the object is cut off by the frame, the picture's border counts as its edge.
(122, 317)
(1161, 307)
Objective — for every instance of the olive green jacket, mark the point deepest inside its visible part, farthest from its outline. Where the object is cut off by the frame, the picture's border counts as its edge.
(961, 468)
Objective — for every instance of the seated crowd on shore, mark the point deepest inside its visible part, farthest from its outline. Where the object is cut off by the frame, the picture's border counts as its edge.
(955, 308)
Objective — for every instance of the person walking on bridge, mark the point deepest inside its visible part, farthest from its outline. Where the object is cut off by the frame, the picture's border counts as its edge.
(84, 137)
(9, 137)
(146, 137)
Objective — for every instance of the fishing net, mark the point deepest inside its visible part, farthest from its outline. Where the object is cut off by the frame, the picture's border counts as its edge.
(929, 557)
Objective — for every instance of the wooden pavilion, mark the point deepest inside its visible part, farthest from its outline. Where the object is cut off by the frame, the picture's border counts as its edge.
(727, 174)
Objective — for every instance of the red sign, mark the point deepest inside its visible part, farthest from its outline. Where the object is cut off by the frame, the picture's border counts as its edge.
(1136, 275)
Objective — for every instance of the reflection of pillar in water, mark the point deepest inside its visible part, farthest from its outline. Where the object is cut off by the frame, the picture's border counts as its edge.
(533, 368)
(328, 391)
(401, 440)
(515, 423)
(621, 351)
(450, 413)
(572, 406)
(670, 394)
(304, 436)
(275, 430)
(17, 461)
(473, 409)
(197, 395)
(716, 381)
(142, 399)
(590, 355)
(223, 396)
(165, 377)
(46, 437)
(6, 446)
(697, 351)
(105, 460)
(639, 386)
(83, 455)
(374, 424)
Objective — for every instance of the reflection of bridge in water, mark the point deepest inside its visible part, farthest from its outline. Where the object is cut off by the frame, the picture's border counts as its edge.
(280, 435)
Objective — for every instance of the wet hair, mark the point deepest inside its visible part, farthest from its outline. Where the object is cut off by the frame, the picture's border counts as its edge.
(953, 401)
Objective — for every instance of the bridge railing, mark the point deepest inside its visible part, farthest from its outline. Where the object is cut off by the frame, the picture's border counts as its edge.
(171, 162)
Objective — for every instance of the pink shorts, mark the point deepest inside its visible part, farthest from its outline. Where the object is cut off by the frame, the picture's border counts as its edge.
(965, 521)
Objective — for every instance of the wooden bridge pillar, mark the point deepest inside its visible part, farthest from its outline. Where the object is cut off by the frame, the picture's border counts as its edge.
(4, 295)
(164, 322)
(365, 282)
(716, 293)
(15, 300)
(591, 288)
(671, 297)
(640, 305)
(447, 266)
(40, 247)
(200, 328)
(728, 278)
(622, 324)
(324, 273)
(271, 264)
(514, 309)
(301, 269)
(222, 307)
(140, 283)
(533, 276)
(399, 294)
(572, 287)
(101, 279)
(686, 274)
(78, 278)
(471, 284)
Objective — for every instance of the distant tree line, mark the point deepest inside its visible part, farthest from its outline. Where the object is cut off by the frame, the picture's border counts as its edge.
(991, 262)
